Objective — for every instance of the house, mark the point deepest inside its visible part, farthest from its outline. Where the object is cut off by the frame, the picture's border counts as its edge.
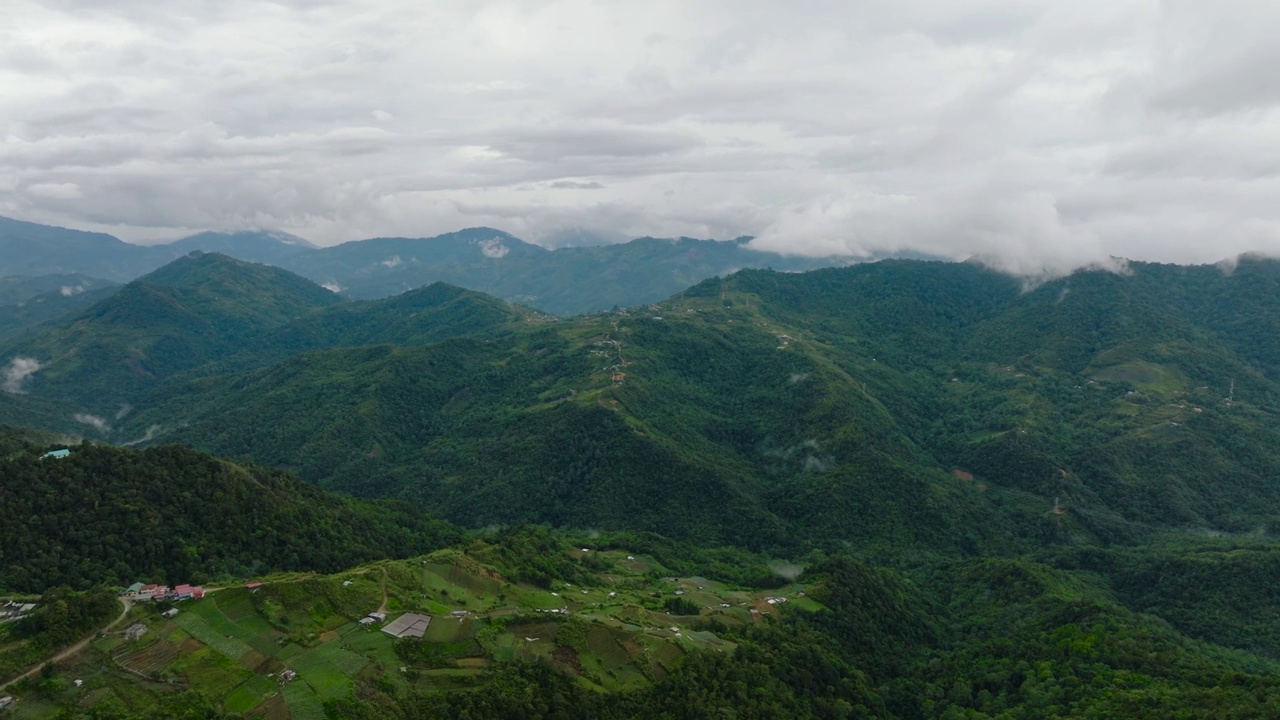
(133, 589)
(379, 616)
(287, 676)
(6, 701)
(188, 592)
(135, 631)
(366, 622)
(459, 614)
(151, 592)
(56, 454)
(15, 610)
(170, 613)
(346, 583)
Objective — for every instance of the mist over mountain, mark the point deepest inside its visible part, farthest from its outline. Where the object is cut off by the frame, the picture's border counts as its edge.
(565, 281)
(31, 249)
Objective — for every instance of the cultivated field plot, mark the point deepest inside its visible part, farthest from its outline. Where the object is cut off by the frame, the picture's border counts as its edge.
(302, 701)
(374, 645)
(30, 708)
(201, 630)
(211, 673)
(319, 669)
(240, 619)
(249, 695)
(152, 658)
(608, 648)
(448, 630)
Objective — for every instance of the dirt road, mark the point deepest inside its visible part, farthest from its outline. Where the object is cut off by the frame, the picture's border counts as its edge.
(73, 649)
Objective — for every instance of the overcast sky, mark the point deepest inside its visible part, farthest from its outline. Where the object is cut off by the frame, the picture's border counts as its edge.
(1043, 133)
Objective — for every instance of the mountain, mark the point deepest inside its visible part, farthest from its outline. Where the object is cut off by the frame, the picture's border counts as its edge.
(27, 302)
(41, 250)
(262, 246)
(585, 277)
(566, 281)
(898, 404)
(33, 249)
(170, 513)
(380, 267)
(196, 309)
(18, 289)
(895, 489)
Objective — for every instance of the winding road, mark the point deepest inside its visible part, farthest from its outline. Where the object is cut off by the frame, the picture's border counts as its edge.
(73, 649)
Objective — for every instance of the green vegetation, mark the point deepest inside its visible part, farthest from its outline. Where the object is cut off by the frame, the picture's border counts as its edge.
(109, 515)
(905, 489)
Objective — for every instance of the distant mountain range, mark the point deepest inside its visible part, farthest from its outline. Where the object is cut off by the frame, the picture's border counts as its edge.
(759, 410)
(566, 281)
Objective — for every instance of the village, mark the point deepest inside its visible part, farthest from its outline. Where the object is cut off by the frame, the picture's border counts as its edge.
(296, 641)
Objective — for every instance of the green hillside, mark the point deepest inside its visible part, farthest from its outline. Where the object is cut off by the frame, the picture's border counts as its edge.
(28, 302)
(108, 515)
(895, 405)
(185, 314)
(612, 631)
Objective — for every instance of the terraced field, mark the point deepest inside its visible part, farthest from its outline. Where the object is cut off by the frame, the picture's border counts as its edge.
(201, 630)
(303, 702)
(611, 633)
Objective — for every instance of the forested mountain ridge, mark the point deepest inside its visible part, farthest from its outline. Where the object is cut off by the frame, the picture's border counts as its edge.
(896, 404)
(28, 302)
(828, 405)
(566, 281)
(195, 309)
(28, 248)
(113, 516)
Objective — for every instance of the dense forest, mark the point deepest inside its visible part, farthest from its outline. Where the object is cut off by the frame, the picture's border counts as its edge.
(110, 516)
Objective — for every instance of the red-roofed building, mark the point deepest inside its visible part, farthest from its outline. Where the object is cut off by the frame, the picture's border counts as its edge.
(187, 592)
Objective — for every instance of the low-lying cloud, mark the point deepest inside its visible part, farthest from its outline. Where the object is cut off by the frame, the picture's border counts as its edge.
(16, 373)
(98, 423)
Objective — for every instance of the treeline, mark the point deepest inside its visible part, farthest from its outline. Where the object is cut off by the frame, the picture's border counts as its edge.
(109, 515)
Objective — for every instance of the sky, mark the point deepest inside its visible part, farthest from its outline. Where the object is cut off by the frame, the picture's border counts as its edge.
(1039, 134)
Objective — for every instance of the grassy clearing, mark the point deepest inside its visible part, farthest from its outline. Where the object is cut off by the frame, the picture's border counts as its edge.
(200, 629)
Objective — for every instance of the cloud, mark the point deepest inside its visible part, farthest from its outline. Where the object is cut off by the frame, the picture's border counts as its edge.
(493, 248)
(576, 185)
(1035, 134)
(97, 423)
(16, 373)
